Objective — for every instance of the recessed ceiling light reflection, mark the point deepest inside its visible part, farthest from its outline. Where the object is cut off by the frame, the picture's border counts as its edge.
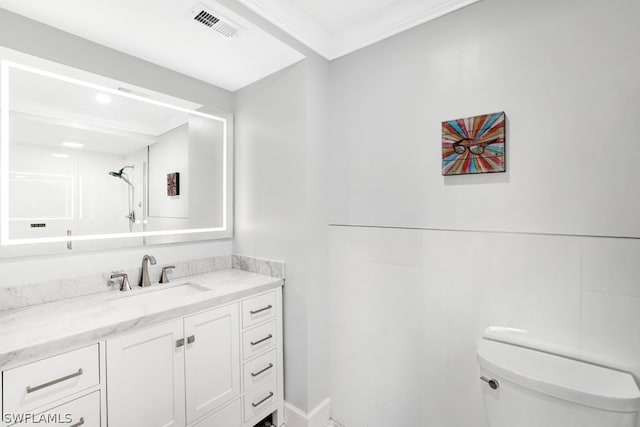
(103, 98)
(71, 144)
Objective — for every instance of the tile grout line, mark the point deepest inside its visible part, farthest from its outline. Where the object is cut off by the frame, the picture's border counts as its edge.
(521, 233)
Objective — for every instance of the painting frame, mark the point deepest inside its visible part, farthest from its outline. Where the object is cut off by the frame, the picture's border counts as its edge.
(474, 145)
(173, 184)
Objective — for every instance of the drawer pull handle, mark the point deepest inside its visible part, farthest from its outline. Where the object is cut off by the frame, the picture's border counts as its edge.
(255, 374)
(50, 383)
(79, 423)
(255, 405)
(267, 338)
(254, 312)
(191, 339)
(180, 342)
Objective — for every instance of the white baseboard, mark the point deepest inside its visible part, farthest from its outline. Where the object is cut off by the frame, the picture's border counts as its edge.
(318, 417)
(294, 417)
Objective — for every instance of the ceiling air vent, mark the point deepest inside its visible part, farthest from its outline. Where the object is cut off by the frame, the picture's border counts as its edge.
(214, 21)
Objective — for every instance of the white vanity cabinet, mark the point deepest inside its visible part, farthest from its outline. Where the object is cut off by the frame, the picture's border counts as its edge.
(262, 383)
(81, 412)
(174, 373)
(145, 377)
(199, 370)
(218, 367)
(212, 365)
(61, 390)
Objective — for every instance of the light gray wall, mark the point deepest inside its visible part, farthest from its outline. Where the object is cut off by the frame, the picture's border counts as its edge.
(564, 73)
(408, 306)
(317, 164)
(282, 212)
(22, 34)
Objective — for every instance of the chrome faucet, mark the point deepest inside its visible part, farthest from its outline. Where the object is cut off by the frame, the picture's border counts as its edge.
(144, 278)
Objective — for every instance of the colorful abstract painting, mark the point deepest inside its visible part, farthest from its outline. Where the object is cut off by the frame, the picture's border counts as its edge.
(173, 184)
(474, 145)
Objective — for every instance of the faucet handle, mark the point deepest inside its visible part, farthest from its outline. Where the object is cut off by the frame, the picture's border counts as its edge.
(164, 278)
(124, 286)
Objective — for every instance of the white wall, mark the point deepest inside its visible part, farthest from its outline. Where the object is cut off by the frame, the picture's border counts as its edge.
(282, 212)
(408, 305)
(317, 165)
(408, 308)
(28, 36)
(195, 150)
(562, 71)
(104, 199)
(206, 149)
(85, 199)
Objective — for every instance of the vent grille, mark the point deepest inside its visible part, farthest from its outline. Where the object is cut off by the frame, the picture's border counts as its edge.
(215, 21)
(206, 18)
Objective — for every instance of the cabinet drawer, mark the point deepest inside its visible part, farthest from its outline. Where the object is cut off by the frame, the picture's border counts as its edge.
(229, 416)
(259, 339)
(36, 384)
(260, 370)
(258, 309)
(84, 411)
(259, 400)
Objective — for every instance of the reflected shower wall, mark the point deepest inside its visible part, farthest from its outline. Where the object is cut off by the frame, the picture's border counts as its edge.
(72, 191)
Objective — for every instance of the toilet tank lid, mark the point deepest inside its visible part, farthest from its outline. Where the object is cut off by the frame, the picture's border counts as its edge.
(560, 377)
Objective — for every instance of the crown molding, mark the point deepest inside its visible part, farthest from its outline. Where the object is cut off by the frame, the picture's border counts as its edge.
(386, 23)
(389, 22)
(294, 22)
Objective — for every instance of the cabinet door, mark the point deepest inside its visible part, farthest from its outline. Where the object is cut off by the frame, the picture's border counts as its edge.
(145, 378)
(212, 360)
(229, 416)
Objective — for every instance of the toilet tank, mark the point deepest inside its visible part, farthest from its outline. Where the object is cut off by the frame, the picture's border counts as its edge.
(524, 387)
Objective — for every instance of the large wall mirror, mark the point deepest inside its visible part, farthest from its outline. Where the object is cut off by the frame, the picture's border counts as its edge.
(90, 163)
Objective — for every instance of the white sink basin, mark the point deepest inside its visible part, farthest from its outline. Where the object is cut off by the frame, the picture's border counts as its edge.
(161, 294)
(180, 290)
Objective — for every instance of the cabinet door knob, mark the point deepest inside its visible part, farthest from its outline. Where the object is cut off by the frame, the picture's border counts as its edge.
(191, 339)
(180, 342)
(79, 423)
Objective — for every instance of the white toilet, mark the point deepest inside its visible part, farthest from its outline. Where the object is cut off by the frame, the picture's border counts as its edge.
(523, 387)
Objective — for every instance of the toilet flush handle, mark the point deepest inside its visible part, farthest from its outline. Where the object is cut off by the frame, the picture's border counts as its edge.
(494, 384)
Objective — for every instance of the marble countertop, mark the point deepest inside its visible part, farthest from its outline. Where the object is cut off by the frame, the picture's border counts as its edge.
(46, 329)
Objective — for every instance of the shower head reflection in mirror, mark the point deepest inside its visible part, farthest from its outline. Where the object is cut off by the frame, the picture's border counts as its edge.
(138, 137)
(121, 174)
